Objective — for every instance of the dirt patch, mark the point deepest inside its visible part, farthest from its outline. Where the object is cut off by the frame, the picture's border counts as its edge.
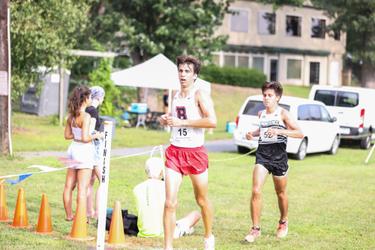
(19, 130)
(229, 89)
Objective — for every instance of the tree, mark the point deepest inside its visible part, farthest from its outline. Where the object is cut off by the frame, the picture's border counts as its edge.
(150, 27)
(357, 19)
(42, 33)
(160, 26)
(278, 3)
(173, 27)
(5, 142)
(101, 76)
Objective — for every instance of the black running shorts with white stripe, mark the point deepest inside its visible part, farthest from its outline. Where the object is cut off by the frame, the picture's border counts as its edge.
(273, 157)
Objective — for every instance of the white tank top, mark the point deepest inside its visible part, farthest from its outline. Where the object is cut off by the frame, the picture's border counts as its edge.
(185, 108)
(273, 120)
(77, 131)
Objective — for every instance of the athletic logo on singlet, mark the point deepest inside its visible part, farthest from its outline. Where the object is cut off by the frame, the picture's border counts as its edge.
(271, 121)
(181, 112)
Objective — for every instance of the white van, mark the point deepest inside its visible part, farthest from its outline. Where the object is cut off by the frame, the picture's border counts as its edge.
(321, 131)
(352, 108)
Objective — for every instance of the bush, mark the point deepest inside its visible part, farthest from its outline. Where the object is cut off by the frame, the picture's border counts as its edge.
(101, 76)
(233, 76)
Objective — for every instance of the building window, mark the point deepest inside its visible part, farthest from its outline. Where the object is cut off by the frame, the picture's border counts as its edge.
(314, 72)
(229, 60)
(294, 70)
(336, 34)
(293, 25)
(318, 28)
(216, 59)
(273, 69)
(243, 61)
(239, 21)
(266, 23)
(258, 63)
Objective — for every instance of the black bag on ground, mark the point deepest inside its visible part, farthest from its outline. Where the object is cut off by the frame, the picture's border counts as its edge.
(129, 220)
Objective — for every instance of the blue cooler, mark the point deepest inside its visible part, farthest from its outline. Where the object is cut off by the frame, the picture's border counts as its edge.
(230, 127)
(140, 108)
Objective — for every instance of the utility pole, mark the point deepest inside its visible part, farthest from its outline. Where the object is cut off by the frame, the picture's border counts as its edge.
(5, 142)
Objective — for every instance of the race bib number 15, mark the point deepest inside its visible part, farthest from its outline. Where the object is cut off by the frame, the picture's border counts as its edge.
(181, 114)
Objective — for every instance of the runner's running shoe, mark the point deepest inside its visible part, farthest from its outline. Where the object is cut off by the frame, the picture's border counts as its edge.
(254, 233)
(282, 229)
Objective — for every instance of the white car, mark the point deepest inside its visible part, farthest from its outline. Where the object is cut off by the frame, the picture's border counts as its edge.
(321, 131)
(353, 108)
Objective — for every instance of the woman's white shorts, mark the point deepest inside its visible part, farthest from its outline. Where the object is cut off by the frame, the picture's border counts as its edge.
(81, 154)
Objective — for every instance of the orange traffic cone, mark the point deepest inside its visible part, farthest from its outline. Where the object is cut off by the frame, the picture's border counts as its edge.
(116, 230)
(44, 225)
(79, 227)
(3, 205)
(20, 214)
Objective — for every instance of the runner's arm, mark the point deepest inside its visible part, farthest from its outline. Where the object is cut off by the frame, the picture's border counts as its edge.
(251, 134)
(292, 128)
(163, 119)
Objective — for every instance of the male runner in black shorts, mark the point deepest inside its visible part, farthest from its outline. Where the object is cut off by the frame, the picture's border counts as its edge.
(275, 125)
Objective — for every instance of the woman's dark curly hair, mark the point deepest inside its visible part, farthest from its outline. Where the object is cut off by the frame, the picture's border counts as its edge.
(76, 98)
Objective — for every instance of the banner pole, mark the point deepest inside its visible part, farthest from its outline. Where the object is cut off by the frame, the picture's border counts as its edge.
(103, 187)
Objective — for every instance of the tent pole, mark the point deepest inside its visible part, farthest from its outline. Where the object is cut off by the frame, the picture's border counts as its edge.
(169, 106)
(169, 100)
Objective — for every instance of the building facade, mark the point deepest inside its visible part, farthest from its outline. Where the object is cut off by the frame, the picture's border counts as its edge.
(289, 45)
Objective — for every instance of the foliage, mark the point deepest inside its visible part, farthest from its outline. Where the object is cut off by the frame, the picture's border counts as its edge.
(233, 76)
(357, 18)
(42, 34)
(169, 27)
(101, 76)
(278, 3)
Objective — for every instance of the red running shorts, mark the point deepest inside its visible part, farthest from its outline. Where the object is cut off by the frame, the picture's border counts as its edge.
(186, 161)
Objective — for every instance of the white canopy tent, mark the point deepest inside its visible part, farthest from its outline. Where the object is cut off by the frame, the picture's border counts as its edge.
(158, 72)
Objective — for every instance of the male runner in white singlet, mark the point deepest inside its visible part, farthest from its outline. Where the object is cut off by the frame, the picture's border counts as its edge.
(275, 125)
(192, 111)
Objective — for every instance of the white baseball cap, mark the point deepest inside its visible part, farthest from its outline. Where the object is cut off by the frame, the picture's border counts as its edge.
(154, 167)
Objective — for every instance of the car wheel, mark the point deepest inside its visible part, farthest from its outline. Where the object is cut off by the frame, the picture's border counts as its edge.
(242, 150)
(301, 154)
(335, 145)
(366, 142)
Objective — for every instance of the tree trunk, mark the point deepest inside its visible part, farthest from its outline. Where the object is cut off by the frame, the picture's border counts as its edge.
(4, 77)
(368, 75)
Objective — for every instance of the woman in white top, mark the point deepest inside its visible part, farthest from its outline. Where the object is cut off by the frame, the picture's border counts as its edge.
(80, 151)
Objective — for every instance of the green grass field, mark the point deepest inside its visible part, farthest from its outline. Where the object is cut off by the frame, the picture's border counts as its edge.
(331, 203)
(331, 198)
(298, 91)
(32, 133)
